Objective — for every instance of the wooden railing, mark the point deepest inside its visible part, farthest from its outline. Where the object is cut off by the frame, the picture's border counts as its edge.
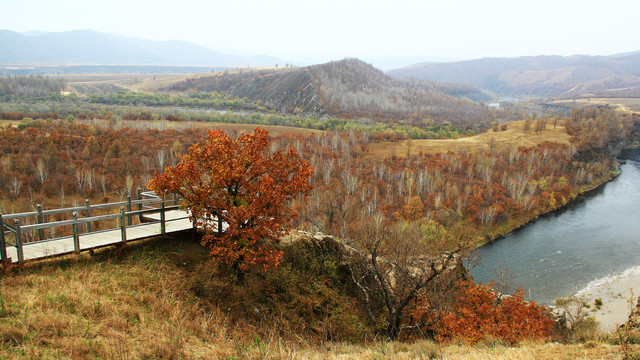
(13, 232)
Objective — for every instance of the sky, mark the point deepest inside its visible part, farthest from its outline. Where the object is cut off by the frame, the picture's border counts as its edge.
(312, 30)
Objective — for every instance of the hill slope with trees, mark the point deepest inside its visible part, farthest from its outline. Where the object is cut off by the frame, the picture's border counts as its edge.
(348, 88)
(547, 76)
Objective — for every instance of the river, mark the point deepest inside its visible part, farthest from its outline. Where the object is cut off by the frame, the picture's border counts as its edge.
(560, 254)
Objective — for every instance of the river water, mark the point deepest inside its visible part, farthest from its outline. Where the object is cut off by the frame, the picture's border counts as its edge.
(560, 254)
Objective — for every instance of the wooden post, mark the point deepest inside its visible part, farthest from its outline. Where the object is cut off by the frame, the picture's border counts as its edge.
(3, 244)
(123, 225)
(40, 221)
(19, 241)
(139, 204)
(76, 235)
(162, 218)
(87, 213)
(128, 210)
(175, 199)
(219, 223)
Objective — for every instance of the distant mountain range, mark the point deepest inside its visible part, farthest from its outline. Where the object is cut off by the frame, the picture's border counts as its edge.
(348, 88)
(93, 47)
(544, 76)
(84, 51)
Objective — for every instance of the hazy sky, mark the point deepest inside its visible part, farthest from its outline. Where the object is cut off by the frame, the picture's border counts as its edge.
(334, 29)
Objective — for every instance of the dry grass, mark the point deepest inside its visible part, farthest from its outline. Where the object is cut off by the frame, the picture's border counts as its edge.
(4, 123)
(273, 129)
(86, 308)
(624, 105)
(512, 137)
(431, 350)
(163, 81)
(143, 307)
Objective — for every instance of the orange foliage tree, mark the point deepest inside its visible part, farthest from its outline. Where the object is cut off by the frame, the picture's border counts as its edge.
(242, 184)
(479, 313)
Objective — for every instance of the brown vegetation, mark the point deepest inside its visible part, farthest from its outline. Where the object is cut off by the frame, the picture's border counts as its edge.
(347, 89)
(513, 136)
(420, 198)
(156, 303)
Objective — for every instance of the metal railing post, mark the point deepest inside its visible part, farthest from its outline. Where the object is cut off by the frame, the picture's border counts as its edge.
(87, 213)
(40, 221)
(123, 224)
(19, 241)
(163, 228)
(76, 235)
(3, 244)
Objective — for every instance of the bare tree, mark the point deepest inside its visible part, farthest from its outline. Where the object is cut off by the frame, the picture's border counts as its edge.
(15, 186)
(103, 182)
(161, 157)
(128, 184)
(41, 166)
(392, 264)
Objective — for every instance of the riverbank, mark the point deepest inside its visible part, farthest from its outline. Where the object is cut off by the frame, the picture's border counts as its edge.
(522, 221)
(564, 250)
(618, 295)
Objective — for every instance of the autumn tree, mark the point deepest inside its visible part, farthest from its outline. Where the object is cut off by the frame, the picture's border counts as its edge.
(479, 313)
(239, 184)
(394, 263)
(526, 125)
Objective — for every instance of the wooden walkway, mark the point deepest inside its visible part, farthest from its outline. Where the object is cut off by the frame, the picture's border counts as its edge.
(154, 217)
(94, 240)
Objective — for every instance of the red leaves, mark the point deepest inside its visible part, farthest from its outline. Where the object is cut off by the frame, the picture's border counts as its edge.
(479, 312)
(244, 185)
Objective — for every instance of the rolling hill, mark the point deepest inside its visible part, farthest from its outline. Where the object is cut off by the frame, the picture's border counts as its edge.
(93, 47)
(542, 76)
(349, 89)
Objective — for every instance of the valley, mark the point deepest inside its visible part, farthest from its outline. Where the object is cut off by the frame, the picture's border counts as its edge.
(408, 178)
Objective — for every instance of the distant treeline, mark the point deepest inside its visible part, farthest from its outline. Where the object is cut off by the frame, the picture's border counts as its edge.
(197, 99)
(198, 107)
(29, 86)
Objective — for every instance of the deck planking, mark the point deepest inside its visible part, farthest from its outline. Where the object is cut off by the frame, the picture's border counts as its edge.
(175, 221)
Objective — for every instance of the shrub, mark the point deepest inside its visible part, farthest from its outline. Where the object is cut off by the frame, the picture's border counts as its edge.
(479, 313)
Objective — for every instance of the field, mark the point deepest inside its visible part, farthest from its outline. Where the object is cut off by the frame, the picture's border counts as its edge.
(96, 83)
(273, 129)
(512, 137)
(99, 82)
(625, 105)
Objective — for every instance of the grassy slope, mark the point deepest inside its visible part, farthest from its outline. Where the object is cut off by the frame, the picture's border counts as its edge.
(512, 137)
(145, 307)
(624, 105)
(274, 130)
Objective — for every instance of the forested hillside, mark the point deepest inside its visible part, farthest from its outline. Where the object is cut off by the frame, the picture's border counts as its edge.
(29, 86)
(349, 89)
(545, 76)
